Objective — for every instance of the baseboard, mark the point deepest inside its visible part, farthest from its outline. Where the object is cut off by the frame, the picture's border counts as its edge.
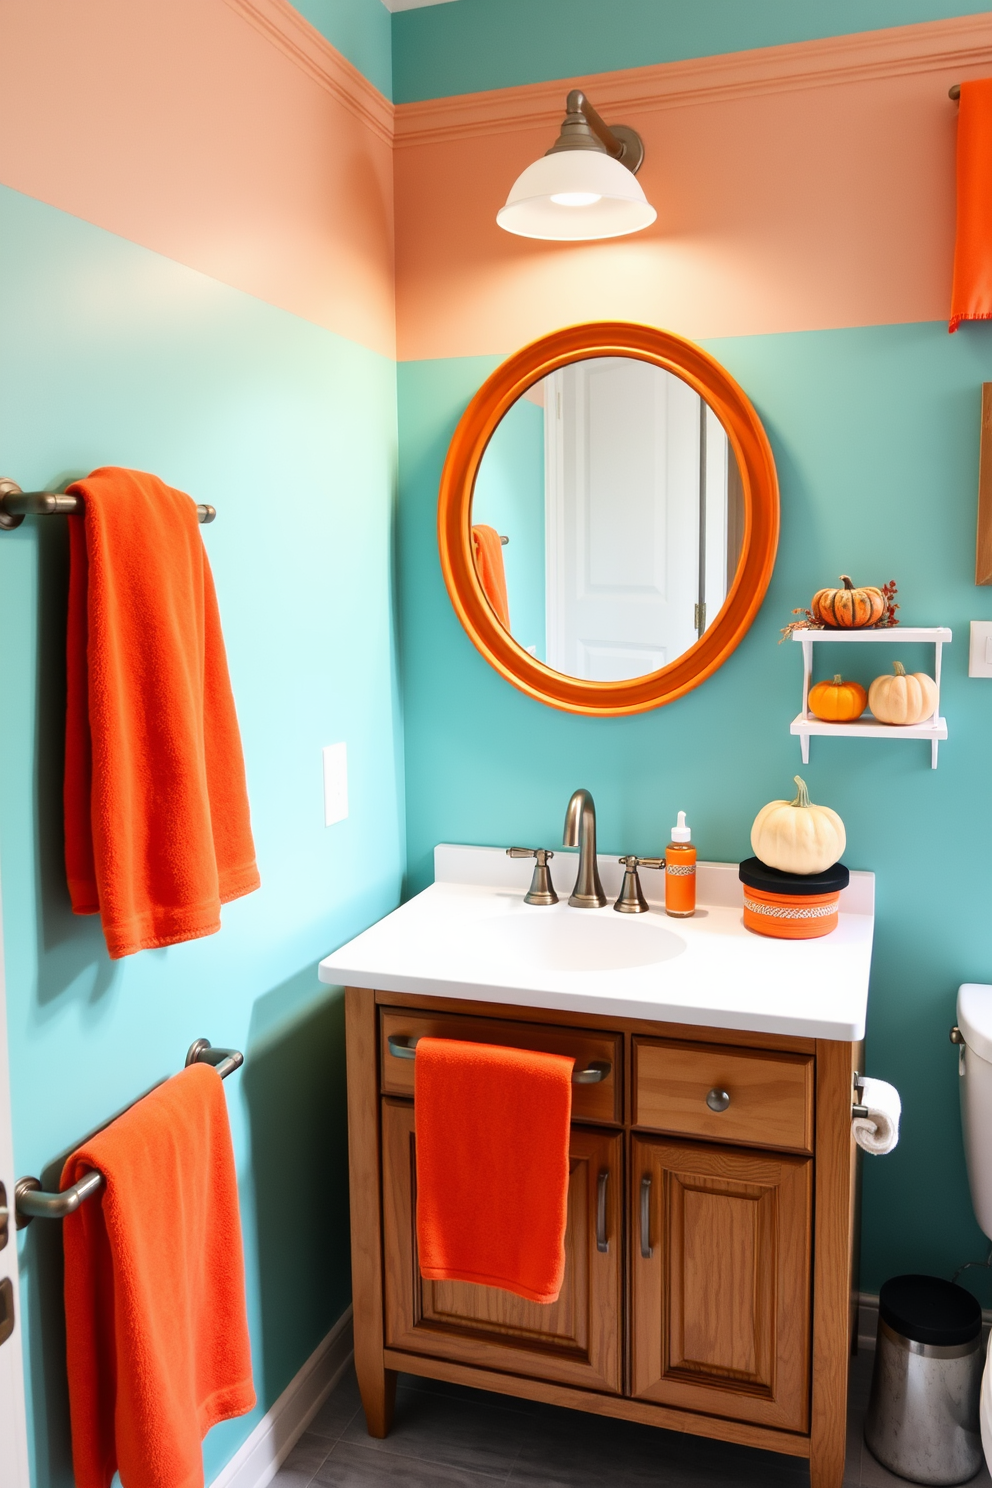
(868, 1319)
(258, 1459)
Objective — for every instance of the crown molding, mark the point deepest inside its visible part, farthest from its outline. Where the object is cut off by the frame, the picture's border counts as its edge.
(963, 42)
(313, 54)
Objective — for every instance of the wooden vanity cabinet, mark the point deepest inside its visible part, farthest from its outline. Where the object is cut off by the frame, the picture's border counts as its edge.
(723, 1302)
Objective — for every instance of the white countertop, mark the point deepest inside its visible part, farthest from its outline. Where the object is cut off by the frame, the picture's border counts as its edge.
(450, 941)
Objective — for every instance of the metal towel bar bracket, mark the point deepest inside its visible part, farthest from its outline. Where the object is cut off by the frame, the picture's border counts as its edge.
(30, 1202)
(406, 1048)
(16, 504)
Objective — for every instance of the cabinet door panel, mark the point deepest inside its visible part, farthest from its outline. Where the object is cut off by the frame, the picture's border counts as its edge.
(575, 1340)
(721, 1306)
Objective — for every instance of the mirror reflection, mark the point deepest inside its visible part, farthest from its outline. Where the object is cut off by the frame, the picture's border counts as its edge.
(608, 518)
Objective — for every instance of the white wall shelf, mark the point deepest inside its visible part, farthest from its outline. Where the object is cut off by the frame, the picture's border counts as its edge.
(805, 724)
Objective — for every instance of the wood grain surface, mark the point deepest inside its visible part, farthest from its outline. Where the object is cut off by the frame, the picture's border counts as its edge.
(771, 1095)
(720, 1309)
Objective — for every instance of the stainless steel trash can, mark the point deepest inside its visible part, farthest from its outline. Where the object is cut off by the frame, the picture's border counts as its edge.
(922, 1420)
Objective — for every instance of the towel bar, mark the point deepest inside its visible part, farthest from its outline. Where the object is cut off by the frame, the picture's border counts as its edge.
(16, 504)
(30, 1202)
(406, 1048)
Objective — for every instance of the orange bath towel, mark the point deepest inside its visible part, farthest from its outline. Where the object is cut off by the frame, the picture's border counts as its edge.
(971, 295)
(157, 830)
(492, 1165)
(488, 553)
(156, 1333)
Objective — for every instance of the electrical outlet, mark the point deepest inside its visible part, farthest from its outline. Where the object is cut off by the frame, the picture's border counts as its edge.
(335, 783)
(980, 654)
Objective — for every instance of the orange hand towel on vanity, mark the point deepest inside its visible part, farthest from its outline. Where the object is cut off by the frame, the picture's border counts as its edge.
(488, 553)
(156, 1333)
(492, 1165)
(971, 295)
(157, 830)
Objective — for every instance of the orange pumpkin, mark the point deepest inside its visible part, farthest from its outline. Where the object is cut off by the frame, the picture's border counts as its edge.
(848, 608)
(837, 701)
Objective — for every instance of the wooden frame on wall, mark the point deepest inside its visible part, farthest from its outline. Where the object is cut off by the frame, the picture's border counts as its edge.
(983, 545)
(761, 516)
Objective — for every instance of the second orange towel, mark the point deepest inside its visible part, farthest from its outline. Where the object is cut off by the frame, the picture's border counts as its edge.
(156, 1331)
(492, 1129)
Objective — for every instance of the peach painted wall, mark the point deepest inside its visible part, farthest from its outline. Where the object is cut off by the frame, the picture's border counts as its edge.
(800, 187)
(225, 134)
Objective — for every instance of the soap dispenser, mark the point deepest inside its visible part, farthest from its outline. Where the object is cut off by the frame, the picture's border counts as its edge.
(680, 872)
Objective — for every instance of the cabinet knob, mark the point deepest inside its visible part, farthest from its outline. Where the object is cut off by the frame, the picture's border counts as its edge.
(718, 1100)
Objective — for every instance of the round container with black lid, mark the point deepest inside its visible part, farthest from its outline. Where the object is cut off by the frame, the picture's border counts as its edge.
(927, 1309)
(923, 1415)
(791, 906)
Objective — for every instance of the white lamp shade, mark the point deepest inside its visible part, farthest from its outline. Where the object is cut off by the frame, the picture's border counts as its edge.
(613, 203)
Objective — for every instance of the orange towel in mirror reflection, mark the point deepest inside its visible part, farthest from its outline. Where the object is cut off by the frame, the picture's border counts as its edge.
(971, 295)
(488, 552)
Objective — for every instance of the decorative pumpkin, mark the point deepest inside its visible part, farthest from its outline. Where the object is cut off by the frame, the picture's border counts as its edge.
(848, 608)
(837, 701)
(902, 698)
(796, 836)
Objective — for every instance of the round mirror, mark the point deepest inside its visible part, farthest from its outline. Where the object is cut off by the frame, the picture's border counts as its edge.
(608, 518)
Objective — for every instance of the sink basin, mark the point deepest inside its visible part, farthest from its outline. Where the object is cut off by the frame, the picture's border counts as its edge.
(575, 940)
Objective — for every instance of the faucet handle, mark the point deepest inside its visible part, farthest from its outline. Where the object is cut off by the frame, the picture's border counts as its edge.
(542, 890)
(631, 899)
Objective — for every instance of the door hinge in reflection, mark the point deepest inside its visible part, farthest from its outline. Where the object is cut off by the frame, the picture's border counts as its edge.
(699, 618)
(6, 1309)
(4, 1217)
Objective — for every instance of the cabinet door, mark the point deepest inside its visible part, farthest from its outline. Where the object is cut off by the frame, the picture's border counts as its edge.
(720, 1266)
(575, 1340)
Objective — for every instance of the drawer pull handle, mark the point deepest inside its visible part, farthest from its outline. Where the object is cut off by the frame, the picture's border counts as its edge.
(601, 1241)
(646, 1251)
(718, 1100)
(600, 1069)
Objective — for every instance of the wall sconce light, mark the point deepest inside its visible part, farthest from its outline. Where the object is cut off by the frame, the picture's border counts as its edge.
(584, 187)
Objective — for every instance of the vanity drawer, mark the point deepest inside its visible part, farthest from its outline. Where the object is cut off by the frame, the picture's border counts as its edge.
(596, 1102)
(771, 1095)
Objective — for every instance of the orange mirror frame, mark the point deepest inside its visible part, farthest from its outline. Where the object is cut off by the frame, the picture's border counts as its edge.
(761, 522)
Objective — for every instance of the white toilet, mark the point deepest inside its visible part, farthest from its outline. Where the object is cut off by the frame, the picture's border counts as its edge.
(973, 1035)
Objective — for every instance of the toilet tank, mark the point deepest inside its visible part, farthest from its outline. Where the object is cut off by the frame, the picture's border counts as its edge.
(975, 1069)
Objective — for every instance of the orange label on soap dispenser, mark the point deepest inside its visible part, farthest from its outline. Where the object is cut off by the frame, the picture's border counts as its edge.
(680, 879)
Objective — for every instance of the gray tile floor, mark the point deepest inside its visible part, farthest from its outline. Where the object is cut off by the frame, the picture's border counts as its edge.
(447, 1436)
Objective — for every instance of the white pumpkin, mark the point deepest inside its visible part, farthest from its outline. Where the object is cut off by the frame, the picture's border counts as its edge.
(901, 698)
(796, 836)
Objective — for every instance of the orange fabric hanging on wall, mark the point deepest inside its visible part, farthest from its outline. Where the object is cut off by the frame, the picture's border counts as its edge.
(488, 553)
(156, 1330)
(971, 295)
(157, 828)
(492, 1127)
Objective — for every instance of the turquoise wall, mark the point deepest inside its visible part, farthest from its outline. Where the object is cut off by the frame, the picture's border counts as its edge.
(477, 44)
(875, 433)
(359, 29)
(509, 495)
(113, 354)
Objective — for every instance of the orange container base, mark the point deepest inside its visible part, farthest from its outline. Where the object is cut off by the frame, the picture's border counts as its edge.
(790, 916)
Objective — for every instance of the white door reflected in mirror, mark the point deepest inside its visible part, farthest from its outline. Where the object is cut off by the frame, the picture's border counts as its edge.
(618, 495)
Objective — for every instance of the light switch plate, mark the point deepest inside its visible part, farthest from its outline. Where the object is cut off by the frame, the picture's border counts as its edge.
(335, 783)
(980, 653)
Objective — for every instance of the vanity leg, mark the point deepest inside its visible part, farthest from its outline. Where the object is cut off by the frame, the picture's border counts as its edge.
(836, 1172)
(376, 1383)
(378, 1391)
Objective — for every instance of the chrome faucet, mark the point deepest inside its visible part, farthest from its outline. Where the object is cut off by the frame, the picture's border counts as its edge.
(580, 832)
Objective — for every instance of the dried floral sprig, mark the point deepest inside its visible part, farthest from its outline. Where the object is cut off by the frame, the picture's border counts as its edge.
(889, 618)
